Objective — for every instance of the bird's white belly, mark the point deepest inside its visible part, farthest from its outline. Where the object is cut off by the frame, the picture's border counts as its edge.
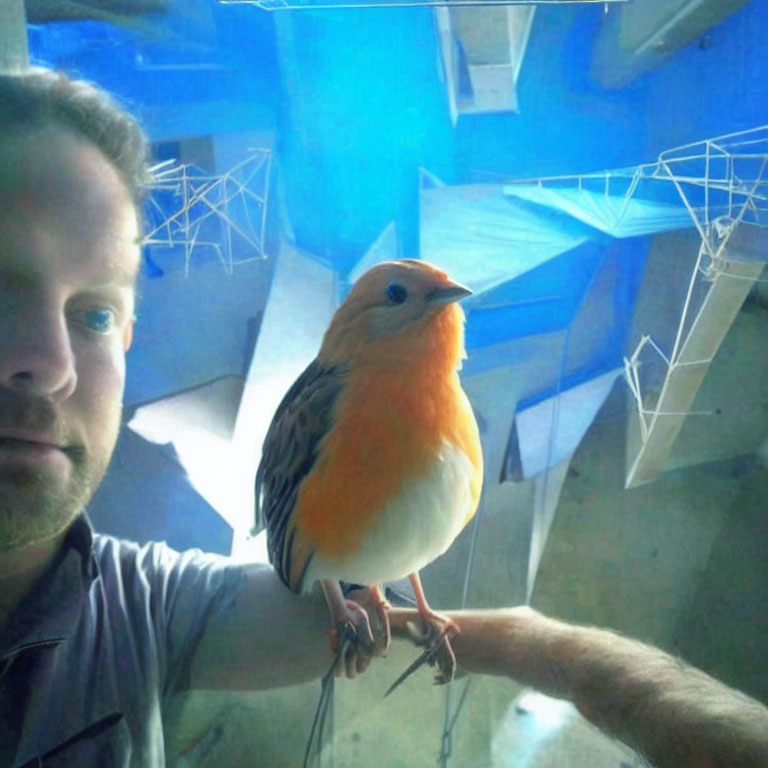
(413, 529)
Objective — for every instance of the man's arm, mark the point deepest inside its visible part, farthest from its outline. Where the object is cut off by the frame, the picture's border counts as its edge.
(267, 638)
(674, 715)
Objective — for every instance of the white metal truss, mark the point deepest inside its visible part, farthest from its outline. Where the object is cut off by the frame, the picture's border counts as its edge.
(723, 184)
(199, 213)
(281, 5)
(717, 180)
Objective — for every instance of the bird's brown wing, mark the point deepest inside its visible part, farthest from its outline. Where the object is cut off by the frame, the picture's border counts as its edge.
(290, 450)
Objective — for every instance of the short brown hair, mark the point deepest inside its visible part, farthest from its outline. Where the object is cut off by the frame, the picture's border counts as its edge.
(40, 98)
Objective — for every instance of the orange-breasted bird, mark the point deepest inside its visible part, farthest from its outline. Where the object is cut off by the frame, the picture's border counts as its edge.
(372, 464)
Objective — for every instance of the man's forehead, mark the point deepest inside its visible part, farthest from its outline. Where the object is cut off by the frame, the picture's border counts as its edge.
(53, 163)
(31, 274)
(60, 195)
(122, 273)
(87, 251)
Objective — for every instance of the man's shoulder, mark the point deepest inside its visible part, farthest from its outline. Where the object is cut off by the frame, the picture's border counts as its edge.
(155, 564)
(123, 554)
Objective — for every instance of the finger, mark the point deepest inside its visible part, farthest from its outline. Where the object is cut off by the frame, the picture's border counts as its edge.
(362, 625)
(374, 603)
(350, 661)
(379, 620)
(362, 662)
(343, 668)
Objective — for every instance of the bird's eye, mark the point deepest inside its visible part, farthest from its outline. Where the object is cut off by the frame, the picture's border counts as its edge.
(396, 293)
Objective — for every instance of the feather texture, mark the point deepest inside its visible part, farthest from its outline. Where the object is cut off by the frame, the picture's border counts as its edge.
(289, 453)
(374, 453)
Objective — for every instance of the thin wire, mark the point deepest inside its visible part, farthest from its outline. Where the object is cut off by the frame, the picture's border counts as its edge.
(449, 721)
(325, 706)
(446, 746)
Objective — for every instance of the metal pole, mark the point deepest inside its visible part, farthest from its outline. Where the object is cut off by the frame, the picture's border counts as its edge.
(14, 51)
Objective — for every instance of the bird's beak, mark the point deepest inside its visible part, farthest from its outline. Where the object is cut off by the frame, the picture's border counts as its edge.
(447, 293)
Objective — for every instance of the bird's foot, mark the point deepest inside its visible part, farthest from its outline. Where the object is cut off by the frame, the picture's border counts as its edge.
(436, 622)
(375, 604)
(435, 636)
(351, 638)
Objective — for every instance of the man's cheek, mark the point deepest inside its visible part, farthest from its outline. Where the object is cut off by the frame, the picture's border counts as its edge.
(101, 379)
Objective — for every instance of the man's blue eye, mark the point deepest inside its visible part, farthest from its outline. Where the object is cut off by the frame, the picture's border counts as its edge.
(98, 320)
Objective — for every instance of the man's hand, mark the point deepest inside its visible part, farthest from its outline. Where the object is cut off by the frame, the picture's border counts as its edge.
(358, 658)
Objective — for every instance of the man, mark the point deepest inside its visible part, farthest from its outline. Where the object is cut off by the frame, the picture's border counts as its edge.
(96, 634)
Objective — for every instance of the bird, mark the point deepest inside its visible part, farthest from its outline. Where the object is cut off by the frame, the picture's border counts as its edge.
(372, 464)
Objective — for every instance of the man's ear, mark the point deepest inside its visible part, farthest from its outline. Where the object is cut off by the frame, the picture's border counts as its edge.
(128, 336)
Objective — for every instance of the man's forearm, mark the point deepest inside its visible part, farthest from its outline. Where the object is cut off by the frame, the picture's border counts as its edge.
(673, 714)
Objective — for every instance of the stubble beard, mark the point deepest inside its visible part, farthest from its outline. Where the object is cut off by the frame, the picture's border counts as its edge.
(35, 506)
(33, 509)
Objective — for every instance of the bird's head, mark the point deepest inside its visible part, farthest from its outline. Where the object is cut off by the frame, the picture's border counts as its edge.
(405, 308)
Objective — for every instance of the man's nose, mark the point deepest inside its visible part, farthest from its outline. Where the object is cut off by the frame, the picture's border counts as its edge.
(36, 355)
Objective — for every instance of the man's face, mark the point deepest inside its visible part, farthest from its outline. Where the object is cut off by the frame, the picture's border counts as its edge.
(68, 261)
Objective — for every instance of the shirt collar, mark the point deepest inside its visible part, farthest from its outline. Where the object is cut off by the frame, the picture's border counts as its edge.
(80, 538)
(50, 611)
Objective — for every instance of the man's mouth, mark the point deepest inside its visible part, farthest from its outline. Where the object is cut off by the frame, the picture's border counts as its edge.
(32, 436)
(30, 449)
(21, 442)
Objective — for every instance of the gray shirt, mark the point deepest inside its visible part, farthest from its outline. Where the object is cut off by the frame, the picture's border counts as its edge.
(90, 659)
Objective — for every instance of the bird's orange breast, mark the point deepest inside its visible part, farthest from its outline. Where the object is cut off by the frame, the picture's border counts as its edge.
(389, 426)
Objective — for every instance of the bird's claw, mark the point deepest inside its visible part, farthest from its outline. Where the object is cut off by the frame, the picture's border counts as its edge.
(445, 659)
(437, 651)
(424, 657)
(437, 641)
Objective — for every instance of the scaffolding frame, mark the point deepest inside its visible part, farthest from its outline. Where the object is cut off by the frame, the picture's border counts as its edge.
(185, 203)
(723, 184)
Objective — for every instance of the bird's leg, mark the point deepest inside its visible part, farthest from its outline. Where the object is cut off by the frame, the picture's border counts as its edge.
(348, 618)
(382, 611)
(428, 616)
(437, 632)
